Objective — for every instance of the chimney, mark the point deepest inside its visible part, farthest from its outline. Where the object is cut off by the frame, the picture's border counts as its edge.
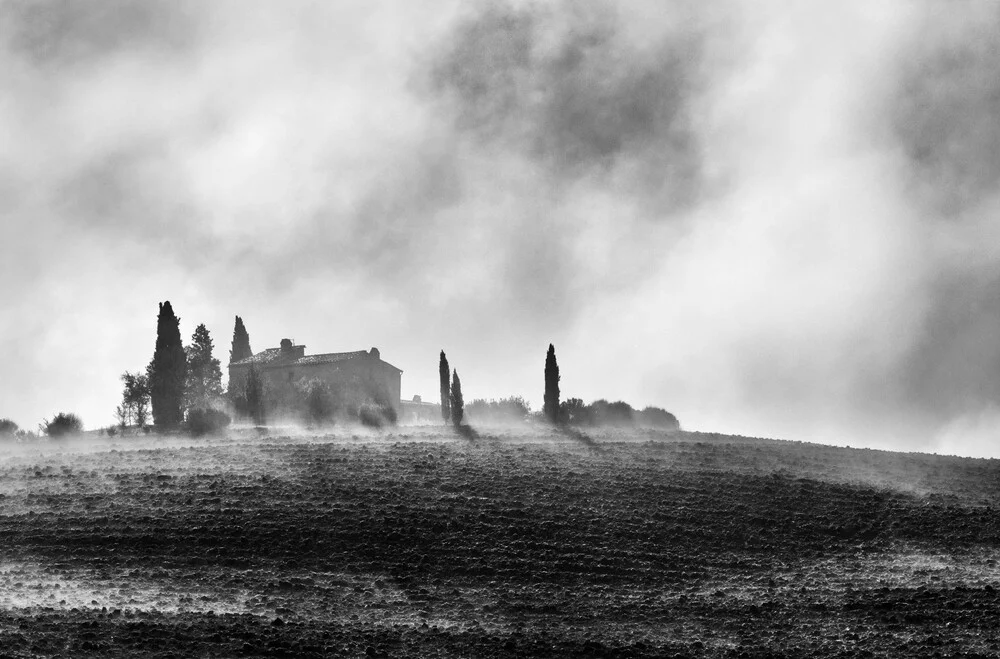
(291, 351)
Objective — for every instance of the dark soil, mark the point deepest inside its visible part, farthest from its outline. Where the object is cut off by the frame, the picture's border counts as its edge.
(423, 542)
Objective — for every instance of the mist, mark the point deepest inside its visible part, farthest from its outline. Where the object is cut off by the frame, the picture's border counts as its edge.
(767, 218)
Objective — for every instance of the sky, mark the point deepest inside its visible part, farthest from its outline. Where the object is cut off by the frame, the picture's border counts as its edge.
(771, 218)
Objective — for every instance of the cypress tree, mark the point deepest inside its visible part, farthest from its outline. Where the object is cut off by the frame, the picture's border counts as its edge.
(457, 405)
(551, 405)
(167, 370)
(241, 343)
(445, 373)
(240, 350)
(204, 377)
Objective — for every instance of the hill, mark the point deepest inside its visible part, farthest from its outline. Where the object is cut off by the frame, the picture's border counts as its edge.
(497, 543)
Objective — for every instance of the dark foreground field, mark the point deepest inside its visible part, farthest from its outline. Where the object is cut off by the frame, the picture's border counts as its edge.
(423, 543)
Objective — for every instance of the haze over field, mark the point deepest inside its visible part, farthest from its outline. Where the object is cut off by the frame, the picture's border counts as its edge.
(770, 218)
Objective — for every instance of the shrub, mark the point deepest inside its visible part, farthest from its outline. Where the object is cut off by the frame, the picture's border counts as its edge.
(319, 401)
(8, 428)
(657, 417)
(25, 435)
(111, 431)
(206, 421)
(63, 424)
(375, 415)
(512, 409)
(574, 412)
(618, 413)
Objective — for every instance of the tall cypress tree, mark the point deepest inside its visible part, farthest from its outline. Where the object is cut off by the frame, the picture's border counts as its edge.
(241, 343)
(445, 372)
(457, 404)
(240, 350)
(551, 405)
(167, 370)
(203, 386)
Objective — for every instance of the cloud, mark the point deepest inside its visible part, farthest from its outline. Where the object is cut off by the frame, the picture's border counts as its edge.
(944, 107)
(565, 86)
(767, 218)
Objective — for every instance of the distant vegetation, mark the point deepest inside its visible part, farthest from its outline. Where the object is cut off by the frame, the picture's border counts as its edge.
(571, 412)
(457, 404)
(201, 421)
(444, 374)
(550, 408)
(10, 431)
(203, 380)
(617, 414)
(513, 409)
(8, 428)
(167, 371)
(134, 408)
(321, 405)
(182, 390)
(63, 424)
(374, 415)
(239, 351)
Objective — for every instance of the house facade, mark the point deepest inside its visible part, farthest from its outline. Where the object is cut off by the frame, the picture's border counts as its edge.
(355, 377)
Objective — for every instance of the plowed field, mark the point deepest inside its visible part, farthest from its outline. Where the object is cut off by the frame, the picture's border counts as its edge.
(420, 542)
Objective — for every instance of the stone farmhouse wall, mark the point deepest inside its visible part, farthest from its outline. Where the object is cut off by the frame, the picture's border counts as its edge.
(359, 379)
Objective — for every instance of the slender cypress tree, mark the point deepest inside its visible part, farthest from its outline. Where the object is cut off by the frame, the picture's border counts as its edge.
(457, 405)
(241, 343)
(445, 372)
(240, 350)
(551, 405)
(167, 370)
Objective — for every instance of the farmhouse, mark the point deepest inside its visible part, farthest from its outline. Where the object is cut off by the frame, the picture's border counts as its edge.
(357, 377)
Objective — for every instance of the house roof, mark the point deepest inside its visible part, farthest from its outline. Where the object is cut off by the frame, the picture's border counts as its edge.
(273, 357)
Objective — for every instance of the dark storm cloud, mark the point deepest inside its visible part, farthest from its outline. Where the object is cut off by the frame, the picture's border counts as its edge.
(72, 33)
(526, 114)
(945, 115)
(947, 108)
(955, 365)
(564, 84)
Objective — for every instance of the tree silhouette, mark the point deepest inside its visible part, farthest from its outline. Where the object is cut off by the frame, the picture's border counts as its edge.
(135, 400)
(241, 343)
(203, 386)
(7, 428)
(239, 351)
(62, 424)
(253, 394)
(551, 405)
(457, 405)
(167, 370)
(445, 373)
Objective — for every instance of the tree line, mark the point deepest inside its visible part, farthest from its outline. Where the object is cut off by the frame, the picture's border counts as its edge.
(60, 425)
(570, 412)
(181, 385)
